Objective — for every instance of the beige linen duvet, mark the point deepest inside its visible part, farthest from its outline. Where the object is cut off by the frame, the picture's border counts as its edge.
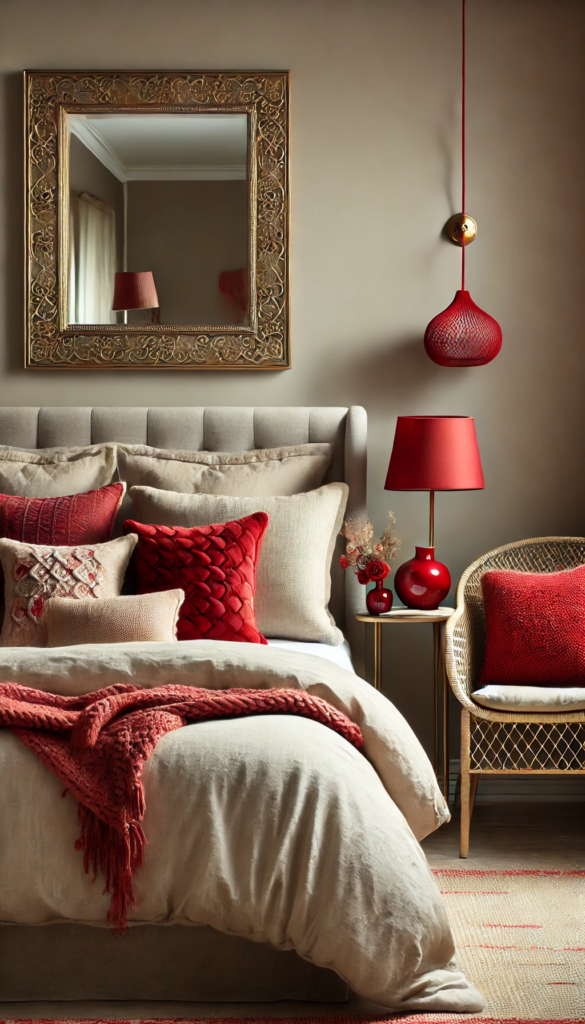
(272, 828)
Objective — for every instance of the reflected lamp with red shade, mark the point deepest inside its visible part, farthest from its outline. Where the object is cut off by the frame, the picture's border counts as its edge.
(135, 289)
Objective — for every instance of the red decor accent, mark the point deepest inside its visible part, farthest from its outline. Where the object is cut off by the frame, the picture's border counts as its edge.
(75, 519)
(135, 290)
(234, 284)
(463, 335)
(422, 582)
(68, 521)
(379, 600)
(97, 745)
(535, 628)
(435, 453)
(214, 565)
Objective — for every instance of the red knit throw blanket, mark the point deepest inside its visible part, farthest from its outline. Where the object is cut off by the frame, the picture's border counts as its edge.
(97, 745)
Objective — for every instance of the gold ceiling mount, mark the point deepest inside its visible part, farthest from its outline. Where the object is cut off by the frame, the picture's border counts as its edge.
(461, 229)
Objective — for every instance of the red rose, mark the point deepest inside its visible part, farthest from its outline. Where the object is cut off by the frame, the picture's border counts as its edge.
(363, 576)
(344, 562)
(377, 570)
(36, 608)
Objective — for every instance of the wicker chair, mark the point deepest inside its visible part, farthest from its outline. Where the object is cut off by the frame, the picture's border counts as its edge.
(507, 742)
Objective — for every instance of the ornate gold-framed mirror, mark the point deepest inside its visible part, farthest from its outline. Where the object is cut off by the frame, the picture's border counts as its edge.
(157, 220)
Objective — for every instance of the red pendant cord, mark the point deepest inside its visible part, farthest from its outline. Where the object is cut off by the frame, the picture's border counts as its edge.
(463, 141)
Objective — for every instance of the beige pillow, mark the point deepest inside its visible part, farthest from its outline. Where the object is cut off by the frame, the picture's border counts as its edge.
(35, 572)
(113, 620)
(293, 581)
(507, 697)
(260, 473)
(56, 472)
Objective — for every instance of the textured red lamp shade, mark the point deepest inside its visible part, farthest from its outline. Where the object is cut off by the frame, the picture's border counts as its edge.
(463, 335)
(135, 289)
(435, 453)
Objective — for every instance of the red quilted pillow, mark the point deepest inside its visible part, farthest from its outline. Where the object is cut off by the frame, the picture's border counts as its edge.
(535, 628)
(214, 565)
(67, 522)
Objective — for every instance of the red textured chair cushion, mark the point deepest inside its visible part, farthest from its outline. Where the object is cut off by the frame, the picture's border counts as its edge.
(214, 565)
(535, 628)
(65, 522)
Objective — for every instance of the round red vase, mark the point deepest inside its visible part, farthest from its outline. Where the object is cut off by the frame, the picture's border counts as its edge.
(379, 600)
(422, 582)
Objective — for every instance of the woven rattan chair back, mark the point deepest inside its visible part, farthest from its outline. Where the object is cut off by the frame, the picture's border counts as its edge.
(507, 742)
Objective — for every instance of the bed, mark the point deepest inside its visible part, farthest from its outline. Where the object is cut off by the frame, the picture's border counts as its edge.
(252, 951)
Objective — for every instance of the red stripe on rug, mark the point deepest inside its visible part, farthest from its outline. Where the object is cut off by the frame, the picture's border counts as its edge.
(510, 872)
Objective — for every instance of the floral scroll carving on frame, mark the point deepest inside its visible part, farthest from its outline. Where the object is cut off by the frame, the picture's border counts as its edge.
(51, 342)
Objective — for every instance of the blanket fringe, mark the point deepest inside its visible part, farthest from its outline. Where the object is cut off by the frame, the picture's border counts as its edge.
(118, 852)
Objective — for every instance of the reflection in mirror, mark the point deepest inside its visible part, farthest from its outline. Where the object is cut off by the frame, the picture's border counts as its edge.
(165, 195)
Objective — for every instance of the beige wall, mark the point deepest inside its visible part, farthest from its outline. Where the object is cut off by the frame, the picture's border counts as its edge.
(374, 177)
(187, 233)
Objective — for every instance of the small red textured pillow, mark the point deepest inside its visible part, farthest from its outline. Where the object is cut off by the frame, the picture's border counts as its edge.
(68, 521)
(214, 565)
(535, 628)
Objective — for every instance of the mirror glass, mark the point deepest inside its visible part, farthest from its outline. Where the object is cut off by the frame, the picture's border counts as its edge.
(158, 219)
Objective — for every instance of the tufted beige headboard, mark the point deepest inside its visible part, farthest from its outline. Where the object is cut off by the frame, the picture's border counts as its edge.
(220, 428)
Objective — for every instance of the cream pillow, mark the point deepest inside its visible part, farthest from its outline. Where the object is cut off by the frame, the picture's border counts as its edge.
(260, 473)
(507, 697)
(293, 582)
(35, 572)
(56, 472)
(113, 620)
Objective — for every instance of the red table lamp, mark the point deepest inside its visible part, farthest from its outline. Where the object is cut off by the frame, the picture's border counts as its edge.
(135, 289)
(431, 453)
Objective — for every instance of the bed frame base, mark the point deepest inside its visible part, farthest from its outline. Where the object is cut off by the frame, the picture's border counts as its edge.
(183, 963)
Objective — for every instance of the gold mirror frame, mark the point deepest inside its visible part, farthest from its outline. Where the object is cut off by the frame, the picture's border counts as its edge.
(50, 341)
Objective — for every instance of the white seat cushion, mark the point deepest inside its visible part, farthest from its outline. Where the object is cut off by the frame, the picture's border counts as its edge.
(531, 698)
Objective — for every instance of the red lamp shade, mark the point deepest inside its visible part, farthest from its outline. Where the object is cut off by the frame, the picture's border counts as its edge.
(463, 335)
(135, 290)
(435, 453)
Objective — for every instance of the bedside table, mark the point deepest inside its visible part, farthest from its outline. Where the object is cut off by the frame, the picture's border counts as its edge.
(438, 617)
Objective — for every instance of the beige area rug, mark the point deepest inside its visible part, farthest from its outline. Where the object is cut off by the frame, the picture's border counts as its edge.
(520, 936)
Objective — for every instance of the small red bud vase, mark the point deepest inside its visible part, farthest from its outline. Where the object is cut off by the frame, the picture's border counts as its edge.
(379, 600)
(422, 582)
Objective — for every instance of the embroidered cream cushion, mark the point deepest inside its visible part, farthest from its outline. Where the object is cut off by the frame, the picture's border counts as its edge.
(259, 473)
(113, 620)
(293, 582)
(56, 472)
(35, 572)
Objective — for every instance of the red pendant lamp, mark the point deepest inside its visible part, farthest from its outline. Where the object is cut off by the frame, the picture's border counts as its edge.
(463, 334)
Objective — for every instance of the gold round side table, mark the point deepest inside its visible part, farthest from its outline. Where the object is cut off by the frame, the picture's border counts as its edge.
(438, 617)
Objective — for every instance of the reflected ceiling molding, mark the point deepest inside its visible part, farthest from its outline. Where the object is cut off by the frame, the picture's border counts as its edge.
(88, 134)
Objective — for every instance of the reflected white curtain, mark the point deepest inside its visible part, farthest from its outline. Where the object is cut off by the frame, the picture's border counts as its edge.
(94, 265)
(72, 282)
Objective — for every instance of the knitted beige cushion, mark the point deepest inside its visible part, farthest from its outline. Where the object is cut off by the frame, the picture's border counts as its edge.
(293, 581)
(35, 572)
(56, 472)
(113, 620)
(260, 473)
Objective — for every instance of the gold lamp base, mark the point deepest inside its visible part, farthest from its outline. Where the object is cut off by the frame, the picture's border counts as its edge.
(461, 229)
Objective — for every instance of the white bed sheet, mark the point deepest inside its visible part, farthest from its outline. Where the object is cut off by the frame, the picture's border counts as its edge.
(339, 655)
